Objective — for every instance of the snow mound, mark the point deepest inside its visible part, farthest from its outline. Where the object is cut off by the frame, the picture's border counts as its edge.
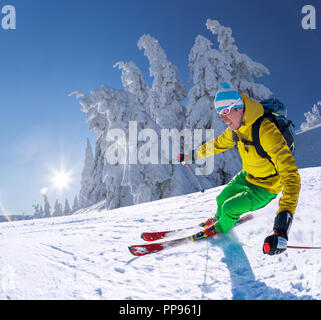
(308, 147)
(85, 256)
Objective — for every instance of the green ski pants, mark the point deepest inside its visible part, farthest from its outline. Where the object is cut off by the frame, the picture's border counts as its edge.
(238, 197)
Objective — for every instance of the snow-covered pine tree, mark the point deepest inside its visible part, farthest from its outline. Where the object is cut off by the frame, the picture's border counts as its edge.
(96, 190)
(134, 83)
(75, 205)
(46, 209)
(167, 92)
(209, 68)
(66, 211)
(86, 175)
(243, 68)
(57, 209)
(36, 213)
(313, 118)
(41, 213)
(133, 80)
(140, 176)
(165, 106)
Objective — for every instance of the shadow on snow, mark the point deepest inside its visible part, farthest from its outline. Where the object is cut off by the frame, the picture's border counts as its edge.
(243, 282)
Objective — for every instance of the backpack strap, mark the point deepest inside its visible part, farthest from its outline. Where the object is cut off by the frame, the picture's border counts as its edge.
(257, 144)
(256, 139)
(235, 137)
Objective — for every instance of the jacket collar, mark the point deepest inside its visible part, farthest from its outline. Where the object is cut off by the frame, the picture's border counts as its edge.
(253, 110)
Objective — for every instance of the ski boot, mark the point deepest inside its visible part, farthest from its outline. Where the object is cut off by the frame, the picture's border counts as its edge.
(210, 231)
(208, 222)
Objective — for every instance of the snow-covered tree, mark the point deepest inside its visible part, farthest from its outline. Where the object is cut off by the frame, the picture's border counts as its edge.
(127, 181)
(86, 175)
(167, 92)
(98, 122)
(313, 118)
(36, 213)
(67, 210)
(96, 190)
(133, 80)
(134, 170)
(57, 209)
(46, 208)
(209, 68)
(243, 68)
(41, 213)
(75, 205)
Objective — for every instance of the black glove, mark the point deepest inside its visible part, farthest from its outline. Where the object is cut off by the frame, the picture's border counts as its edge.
(277, 241)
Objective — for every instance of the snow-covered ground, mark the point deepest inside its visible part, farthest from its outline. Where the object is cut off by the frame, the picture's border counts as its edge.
(85, 256)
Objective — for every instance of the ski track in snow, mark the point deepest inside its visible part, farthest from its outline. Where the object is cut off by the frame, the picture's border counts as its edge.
(85, 256)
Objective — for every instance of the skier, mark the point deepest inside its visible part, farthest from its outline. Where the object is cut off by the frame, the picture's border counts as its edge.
(261, 179)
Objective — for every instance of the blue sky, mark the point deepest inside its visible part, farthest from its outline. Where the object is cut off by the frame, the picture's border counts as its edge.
(60, 46)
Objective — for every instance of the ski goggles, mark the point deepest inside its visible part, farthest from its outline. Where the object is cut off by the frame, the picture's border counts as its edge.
(227, 110)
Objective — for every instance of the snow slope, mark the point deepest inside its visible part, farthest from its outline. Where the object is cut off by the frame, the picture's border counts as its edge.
(308, 147)
(85, 256)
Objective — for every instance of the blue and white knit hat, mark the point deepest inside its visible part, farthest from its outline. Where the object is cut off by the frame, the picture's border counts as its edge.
(226, 96)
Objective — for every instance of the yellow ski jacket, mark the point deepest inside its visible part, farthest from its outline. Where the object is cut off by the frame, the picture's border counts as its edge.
(256, 167)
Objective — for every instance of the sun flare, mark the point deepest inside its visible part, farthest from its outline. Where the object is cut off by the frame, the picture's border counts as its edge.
(61, 179)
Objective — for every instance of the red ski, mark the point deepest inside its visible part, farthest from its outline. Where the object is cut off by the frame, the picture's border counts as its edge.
(152, 236)
(143, 249)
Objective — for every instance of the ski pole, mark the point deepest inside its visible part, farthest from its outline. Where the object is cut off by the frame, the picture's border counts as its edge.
(298, 247)
(189, 169)
(187, 166)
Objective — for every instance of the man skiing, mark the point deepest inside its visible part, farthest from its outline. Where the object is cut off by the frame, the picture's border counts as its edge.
(261, 179)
